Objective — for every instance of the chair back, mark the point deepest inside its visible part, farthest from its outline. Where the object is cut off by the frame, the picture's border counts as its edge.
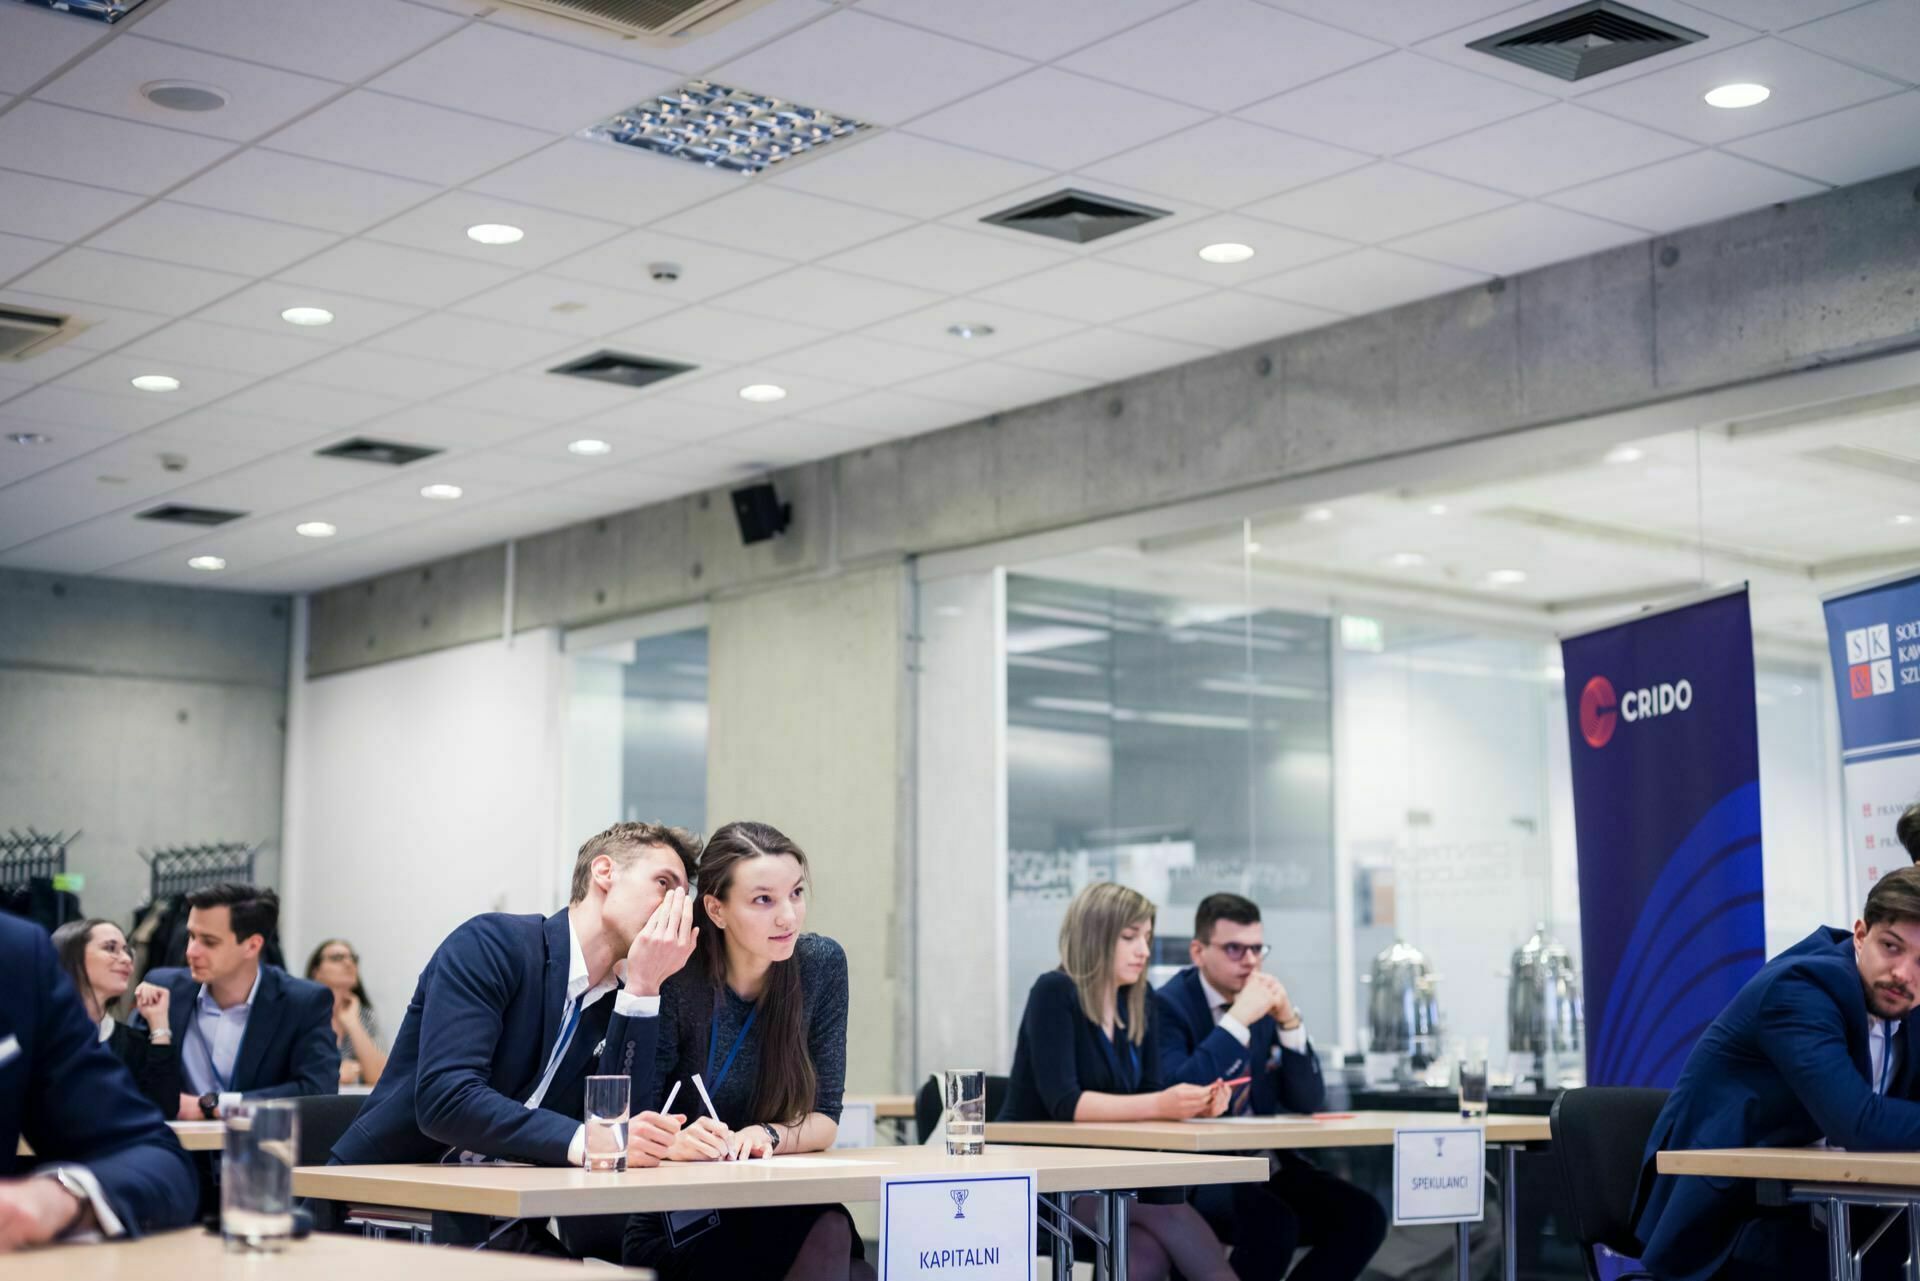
(928, 1104)
(323, 1119)
(1599, 1139)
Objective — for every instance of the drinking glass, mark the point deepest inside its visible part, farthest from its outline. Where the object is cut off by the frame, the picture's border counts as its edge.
(966, 1090)
(607, 1101)
(262, 1142)
(1473, 1084)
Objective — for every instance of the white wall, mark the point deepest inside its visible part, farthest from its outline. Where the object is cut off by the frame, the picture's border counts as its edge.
(422, 792)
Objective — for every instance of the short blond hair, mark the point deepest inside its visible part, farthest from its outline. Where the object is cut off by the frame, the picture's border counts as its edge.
(1095, 919)
(625, 842)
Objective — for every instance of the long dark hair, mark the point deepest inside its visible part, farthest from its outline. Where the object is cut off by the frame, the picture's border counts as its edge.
(787, 1084)
(70, 946)
(359, 984)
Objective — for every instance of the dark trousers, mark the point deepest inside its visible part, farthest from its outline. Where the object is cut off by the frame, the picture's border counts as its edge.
(1788, 1245)
(1340, 1225)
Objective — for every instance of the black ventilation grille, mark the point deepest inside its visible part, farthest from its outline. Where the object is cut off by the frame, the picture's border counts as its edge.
(365, 449)
(1587, 40)
(180, 514)
(1075, 215)
(621, 369)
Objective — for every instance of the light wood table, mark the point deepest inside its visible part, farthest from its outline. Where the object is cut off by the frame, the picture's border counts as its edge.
(886, 1107)
(1508, 1134)
(200, 1255)
(1889, 1180)
(840, 1175)
(194, 1136)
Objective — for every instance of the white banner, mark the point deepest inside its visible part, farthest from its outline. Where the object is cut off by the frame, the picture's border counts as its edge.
(1439, 1174)
(977, 1226)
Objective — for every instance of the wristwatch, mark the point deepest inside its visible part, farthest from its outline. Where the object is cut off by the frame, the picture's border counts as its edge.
(773, 1137)
(210, 1105)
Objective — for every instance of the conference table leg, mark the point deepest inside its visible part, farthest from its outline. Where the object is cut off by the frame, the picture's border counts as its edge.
(1510, 1212)
(1913, 1243)
(1061, 1230)
(1462, 1252)
(1119, 1206)
(1839, 1244)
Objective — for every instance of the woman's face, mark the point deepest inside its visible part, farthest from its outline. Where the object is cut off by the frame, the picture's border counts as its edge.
(765, 907)
(1131, 951)
(109, 962)
(339, 968)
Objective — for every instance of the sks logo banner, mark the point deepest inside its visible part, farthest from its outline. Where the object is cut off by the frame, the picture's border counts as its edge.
(1666, 804)
(1873, 637)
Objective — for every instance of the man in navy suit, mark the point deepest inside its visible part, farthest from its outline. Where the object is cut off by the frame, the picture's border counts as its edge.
(244, 1030)
(508, 1020)
(107, 1163)
(1818, 1046)
(1222, 1019)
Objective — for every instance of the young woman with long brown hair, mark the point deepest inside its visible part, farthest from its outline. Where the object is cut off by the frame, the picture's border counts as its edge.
(95, 955)
(760, 1012)
(1087, 1052)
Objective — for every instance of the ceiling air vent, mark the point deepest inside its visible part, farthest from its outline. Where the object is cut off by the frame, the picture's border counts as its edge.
(364, 449)
(1074, 215)
(25, 332)
(1587, 40)
(620, 369)
(181, 514)
(655, 21)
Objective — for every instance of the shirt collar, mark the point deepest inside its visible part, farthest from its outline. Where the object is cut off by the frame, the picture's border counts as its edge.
(106, 1026)
(1214, 999)
(206, 1001)
(577, 988)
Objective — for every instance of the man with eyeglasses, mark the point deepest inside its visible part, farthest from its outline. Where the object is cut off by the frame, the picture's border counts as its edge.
(1222, 1018)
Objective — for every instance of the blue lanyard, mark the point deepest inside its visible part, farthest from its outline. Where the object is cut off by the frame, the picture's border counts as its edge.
(565, 1038)
(1129, 1077)
(713, 1045)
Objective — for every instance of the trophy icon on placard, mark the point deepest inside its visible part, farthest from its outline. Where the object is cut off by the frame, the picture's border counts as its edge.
(960, 1196)
(1439, 1145)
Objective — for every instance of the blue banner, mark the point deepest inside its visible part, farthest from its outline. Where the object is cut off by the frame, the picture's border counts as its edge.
(1666, 807)
(1873, 636)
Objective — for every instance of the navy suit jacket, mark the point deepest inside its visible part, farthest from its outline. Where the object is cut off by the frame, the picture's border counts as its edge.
(1785, 1064)
(289, 1047)
(1196, 1051)
(63, 1091)
(474, 1043)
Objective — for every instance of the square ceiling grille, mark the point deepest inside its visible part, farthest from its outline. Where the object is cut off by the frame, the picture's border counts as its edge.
(364, 449)
(1587, 40)
(620, 369)
(1075, 215)
(181, 514)
(725, 128)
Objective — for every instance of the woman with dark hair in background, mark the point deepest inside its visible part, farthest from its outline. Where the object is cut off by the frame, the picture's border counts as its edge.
(760, 1012)
(95, 955)
(336, 966)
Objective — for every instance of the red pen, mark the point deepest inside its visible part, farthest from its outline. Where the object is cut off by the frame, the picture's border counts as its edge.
(1237, 1081)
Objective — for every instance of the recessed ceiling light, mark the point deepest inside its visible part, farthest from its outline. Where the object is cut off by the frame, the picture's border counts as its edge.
(1436, 509)
(1733, 97)
(1625, 454)
(29, 438)
(445, 493)
(157, 382)
(184, 95)
(1903, 519)
(724, 128)
(1506, 577)
(970, 331)
(590, 448)
(315, 529)
(207, 563)
(495, 233)
(1318, 515)
(1406, 560)
(307, 316)
(763, 393)
(1226, 252)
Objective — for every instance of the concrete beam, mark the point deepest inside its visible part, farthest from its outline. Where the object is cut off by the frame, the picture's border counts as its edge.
(1789, 287)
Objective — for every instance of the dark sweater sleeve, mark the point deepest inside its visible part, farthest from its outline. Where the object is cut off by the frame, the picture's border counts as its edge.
(155, 1068)
(824, 972)
(1053, 1012)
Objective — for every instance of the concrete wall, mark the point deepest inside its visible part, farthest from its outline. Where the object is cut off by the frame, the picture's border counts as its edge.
(144, 716)
(807, 704)
(1781, 289)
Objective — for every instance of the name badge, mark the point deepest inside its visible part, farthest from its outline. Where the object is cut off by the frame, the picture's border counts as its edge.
(980, 1227)
(1439, 1174)
(856, 1126)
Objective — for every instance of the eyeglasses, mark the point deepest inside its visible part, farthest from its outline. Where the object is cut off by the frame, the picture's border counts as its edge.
(1241, 951)
(340, 956)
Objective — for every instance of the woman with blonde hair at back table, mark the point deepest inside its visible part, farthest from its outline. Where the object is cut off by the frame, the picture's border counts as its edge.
(1087, 1053)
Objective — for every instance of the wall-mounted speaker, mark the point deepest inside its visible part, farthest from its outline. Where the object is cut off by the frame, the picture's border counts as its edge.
(760, 512)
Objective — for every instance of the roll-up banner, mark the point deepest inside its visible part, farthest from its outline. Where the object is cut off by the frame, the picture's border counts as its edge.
(1666, 808)
(1873, 634)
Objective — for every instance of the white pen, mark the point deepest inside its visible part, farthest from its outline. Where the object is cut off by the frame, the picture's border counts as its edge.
(666, 1109)
(701, 1086)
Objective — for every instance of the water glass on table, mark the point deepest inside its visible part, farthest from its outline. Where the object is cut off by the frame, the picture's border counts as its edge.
(966, 1106)
(262, 1142)
(1472, 1076)
(607, 1100)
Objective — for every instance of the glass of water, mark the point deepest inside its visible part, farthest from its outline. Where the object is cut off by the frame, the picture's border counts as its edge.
(256, 1174)
(966, 1090)
(1472, 1076)
(607, 1100)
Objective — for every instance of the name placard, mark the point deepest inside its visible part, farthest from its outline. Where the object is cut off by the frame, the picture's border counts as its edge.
(1439, 1174)
(976, 1226)
(856, 1126)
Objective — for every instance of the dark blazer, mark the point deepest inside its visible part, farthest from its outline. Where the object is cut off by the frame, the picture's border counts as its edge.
(155, 1068)
(1195, 1051)
(62, 1091)
(288, 1049)
(474, 1043)
(1062, 1054)
(1784, 1065)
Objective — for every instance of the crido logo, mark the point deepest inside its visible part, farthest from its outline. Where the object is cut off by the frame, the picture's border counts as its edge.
(1601, 710)
(1598, 711)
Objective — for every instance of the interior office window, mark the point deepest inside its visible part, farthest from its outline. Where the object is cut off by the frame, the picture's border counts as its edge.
(1177, 745)
(637, 734)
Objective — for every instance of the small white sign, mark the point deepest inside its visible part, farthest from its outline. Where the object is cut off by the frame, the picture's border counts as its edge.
(976, 1226)
(1439, 1174)
(856, 1127)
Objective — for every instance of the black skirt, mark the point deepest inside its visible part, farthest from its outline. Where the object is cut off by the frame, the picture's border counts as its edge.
(758, 1243)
